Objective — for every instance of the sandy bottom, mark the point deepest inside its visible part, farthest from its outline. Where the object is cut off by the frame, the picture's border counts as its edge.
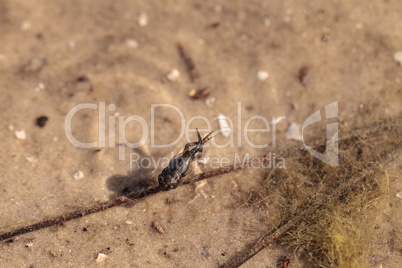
(55, 55)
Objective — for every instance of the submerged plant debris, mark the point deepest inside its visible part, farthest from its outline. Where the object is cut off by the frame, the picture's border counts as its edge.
(322, 213)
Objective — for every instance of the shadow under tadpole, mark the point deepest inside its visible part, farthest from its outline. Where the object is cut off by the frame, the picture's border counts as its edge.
(135, 181)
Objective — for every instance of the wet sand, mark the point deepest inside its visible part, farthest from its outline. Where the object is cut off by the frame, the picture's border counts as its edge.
(59, 54)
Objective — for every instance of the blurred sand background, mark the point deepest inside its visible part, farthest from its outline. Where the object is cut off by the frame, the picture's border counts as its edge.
(57, 54)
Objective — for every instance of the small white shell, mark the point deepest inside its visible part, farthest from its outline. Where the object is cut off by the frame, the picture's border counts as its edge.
(210, 101)
(173, 75)
(143, 19)
(132, 43)
(262, 75)
(31, 159)
(101, 257)
(224, 125)
(398, 57)
(293, 132)
(158, 227)
(78, 175)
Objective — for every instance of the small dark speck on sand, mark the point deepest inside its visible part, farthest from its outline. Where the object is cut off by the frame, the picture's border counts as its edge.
(41, 121)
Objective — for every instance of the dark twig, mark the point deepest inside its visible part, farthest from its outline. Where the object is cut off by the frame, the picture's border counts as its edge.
(188, 61)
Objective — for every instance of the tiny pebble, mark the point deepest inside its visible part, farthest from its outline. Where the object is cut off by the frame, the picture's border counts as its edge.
(223, 125)
(398, 57)
(26, 25)
(195, 168)
(399, 195)
(20, 134)
(262, 75)
(210, 101)
(143, 19)
(129, 222)
(78, 175)
(267, 22)
(132, 43)
(52, 253)
(205, 253)
(192, 93)
(10, 127)
(173, 75)
(31, 159)
(144, 150)
(101, 258)
(158, 227)
(293, 132)
(71, 44)
(40, 87)
(359, 26)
